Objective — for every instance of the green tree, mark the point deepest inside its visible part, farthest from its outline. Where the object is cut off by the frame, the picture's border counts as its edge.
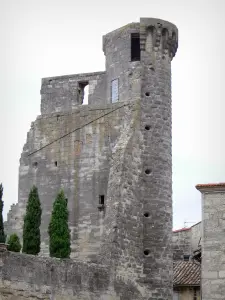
(58, 229)
(32, 222)
(14, 243)
(2, 233)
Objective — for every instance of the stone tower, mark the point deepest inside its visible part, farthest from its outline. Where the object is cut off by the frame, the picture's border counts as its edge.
(112, 157)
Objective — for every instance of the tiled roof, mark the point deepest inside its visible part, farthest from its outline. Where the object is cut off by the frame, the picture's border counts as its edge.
(210, 185)
(186, 273)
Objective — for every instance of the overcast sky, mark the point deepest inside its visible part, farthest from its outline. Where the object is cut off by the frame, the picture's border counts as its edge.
(41, 38)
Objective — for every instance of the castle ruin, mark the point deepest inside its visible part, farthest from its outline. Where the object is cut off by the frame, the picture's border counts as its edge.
(113, 158)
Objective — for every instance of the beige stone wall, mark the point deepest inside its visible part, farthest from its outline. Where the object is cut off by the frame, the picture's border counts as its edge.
(186, 293)
(213, 245)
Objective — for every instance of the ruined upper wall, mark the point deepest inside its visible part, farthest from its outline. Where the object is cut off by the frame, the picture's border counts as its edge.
(65, 93)
(122, 79)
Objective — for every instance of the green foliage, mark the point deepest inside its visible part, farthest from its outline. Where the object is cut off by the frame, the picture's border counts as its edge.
(58, 229)
(2, 234)
(14, 243)
(32, 222)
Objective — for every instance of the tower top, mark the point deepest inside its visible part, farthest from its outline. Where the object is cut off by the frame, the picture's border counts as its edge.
(164, 35)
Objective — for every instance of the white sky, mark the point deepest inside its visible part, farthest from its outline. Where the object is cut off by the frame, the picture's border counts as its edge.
(50, 38)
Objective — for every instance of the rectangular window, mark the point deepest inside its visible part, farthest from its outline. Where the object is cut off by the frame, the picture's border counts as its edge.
(102, 199)
(186, 257)
(135, 47)
(115, 90)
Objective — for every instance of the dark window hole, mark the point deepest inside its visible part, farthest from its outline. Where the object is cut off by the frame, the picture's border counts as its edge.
(58, 117)
(146, 214)
(148, 171)
(35, 164)
(186, 257)
(56, 163)
(135, 47)
(102, 199)
(147, 127)
(146, 252)
(147, 94)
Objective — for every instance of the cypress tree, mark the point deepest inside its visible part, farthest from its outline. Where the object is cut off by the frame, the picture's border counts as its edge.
(58, 229)
(32, 222)
(2, 233)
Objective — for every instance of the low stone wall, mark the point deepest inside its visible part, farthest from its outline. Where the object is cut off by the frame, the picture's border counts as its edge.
(30, 277)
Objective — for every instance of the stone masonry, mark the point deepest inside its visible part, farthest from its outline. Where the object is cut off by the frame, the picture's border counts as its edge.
(113, 158)
(185, 241)
(213, 241)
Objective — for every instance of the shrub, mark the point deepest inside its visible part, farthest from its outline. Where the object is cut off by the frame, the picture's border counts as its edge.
(59, 233)
(32, 222)
(2, 233)
(14, 243)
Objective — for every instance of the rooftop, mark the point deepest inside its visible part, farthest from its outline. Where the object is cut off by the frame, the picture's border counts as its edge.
(210, 186)
(186, 273)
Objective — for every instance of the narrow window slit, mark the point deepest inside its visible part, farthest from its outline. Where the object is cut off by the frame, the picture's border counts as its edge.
(135, 47)
(101, 204)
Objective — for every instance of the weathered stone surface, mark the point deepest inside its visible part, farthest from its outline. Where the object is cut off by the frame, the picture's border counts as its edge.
(213, 241)
(30, 277)
(120, 150)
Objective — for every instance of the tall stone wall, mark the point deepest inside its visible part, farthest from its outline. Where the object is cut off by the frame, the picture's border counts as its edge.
(213, 241)
(71, 151)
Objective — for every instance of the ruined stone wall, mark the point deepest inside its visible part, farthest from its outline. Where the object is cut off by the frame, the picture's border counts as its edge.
(63, 93)
(71, 151)
(29, 277)
(25, 277)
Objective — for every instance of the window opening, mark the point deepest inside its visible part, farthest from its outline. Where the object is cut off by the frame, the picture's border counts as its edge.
(56, 163)
(35, 164)
(102, 199)
(86, 94)
(135, 47)
(101, 205)
(83, 93)
(186, 257)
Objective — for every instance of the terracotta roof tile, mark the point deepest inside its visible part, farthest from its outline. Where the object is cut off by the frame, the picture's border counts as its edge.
(186, 273)
(210, 185)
